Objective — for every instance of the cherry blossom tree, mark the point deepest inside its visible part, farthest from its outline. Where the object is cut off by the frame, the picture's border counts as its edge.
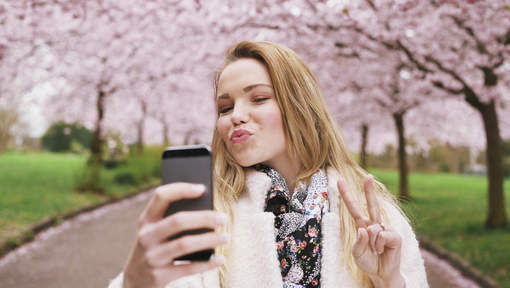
(459, 48)
(145, 68)
(22, 66)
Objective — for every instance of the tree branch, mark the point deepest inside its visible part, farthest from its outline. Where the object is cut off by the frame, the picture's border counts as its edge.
(445, 70)
(441, 86)
(470, 95)
(505, 39)
(259, 25)
(410, 56)
(311, 5)
(480, 46)
(371, 4)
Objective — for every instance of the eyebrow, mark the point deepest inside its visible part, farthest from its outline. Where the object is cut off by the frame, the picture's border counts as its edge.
(245, 89)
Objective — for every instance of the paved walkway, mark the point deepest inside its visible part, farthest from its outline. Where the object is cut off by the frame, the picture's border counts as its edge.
(92, 248)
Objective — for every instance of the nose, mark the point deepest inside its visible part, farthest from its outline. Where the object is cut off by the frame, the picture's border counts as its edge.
(240, 114)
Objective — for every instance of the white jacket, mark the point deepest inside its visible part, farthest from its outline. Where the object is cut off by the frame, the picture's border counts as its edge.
(254, 262)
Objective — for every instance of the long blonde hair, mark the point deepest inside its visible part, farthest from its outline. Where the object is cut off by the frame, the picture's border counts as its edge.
(312, 136)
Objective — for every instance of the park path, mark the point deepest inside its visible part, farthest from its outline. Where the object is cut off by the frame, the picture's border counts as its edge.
(91, 249)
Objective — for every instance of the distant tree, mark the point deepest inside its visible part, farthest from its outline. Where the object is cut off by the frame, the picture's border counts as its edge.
(8, 118)
(60, 135)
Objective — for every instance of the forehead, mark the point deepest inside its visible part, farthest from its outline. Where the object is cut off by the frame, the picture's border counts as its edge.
(242, 73)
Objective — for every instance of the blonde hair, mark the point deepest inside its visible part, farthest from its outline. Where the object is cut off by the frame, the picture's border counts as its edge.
(312, 136)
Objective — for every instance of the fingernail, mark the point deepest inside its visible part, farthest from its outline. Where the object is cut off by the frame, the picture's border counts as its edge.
(224, 237)
(219, 259)
(221, 219)
(198, 188)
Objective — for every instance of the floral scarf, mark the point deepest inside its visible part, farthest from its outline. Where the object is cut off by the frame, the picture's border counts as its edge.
(297, 226)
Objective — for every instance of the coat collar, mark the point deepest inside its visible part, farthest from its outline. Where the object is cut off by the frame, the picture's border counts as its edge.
(254, 259)
(258, 183)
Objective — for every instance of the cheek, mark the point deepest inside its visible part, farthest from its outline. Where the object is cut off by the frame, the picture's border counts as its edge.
(222, 127)
(272, 121)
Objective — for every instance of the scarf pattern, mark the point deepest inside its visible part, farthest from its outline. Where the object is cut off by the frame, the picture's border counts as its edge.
(297, 226)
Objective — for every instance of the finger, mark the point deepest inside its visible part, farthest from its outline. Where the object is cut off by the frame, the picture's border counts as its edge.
(373, 231)
(373, 206)
(361, 245)
(353, 208)
(166, 275)
(380, 242)
(388, 239)
(164, 254)
(158, 232)
(165, 195)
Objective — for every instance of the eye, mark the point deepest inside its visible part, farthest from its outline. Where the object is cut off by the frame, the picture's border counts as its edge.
(223, 110)
(260, 99)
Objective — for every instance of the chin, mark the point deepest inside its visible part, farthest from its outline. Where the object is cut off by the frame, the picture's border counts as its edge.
(246, 164)
(247, 161)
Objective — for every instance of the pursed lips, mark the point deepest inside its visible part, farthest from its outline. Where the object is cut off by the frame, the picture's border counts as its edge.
(240, 135)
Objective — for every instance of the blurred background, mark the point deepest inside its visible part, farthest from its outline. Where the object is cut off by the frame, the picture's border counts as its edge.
(91, 92)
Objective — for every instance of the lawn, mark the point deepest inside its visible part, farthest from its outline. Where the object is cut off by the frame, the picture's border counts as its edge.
(35, 186)
(450, 210)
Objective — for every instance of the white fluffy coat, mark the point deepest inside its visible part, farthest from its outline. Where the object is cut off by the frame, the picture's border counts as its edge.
(254, 262)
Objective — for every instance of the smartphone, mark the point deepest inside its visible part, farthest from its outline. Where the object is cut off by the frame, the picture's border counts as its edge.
(191, 164)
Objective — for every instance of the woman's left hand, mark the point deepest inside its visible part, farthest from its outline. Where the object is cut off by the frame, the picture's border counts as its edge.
(377, 249)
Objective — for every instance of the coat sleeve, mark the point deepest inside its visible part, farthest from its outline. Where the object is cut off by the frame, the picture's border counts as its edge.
(203, 280)
(117, 281)
(412, 266)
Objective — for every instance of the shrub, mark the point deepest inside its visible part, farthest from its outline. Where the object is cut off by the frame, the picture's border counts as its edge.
(89, 179)
(125, 178)
(60, 135)
(113, 163)
(135, 170)
(506, 166)
(77, 148)
(12, 243)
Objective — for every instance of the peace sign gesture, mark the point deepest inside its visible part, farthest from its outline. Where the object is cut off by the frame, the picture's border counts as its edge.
(377, 249)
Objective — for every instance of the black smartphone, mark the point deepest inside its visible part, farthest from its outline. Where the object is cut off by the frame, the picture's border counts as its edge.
(192, 164)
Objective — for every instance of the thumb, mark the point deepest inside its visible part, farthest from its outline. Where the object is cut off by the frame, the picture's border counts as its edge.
(361, 244)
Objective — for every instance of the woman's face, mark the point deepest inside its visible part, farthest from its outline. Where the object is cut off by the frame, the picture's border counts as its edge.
(249, 118)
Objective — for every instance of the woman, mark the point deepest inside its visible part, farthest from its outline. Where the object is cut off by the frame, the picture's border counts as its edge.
(301, 212)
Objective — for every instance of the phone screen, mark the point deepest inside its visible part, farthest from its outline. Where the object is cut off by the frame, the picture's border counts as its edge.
(191, 164)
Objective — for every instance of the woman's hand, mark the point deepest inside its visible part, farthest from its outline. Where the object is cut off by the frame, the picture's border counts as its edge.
(377, 249)
(151, 261)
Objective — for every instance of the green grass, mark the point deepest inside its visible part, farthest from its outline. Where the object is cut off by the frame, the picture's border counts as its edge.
(448, 209)
(451, 210)
(36, 186)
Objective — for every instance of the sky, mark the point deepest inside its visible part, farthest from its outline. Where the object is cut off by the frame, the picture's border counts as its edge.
(32, 106)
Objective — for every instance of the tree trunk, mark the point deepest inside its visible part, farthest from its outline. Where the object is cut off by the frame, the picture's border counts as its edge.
(97, 141)
(166, 141)
(363, 150)
(8, 118)
(496, 217)
(402, 157)
(187, 137)
(95, 163)
(496, 203)
(140, 144)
